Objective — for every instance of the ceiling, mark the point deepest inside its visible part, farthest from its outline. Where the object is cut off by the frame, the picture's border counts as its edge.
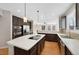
(15, 8)
(47, 9)
(55, 9)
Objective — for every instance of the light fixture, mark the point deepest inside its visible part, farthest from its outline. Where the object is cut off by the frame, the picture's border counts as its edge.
(37, 15)
(24, 18)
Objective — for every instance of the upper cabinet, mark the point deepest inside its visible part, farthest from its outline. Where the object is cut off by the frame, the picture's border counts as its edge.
(20, 28)
(17, 21)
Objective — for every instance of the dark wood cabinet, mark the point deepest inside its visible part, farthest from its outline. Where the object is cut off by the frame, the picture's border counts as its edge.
(41, 45)
(63, 48)
(51, 37)
(39, 48)
(35, 50)
(67, 51)
(17, 21)
(19, 51)
(17, 27)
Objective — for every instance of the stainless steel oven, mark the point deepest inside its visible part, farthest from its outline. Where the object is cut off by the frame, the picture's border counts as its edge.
(17, 31)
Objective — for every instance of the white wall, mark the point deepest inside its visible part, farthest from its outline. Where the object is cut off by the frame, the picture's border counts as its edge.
(5, 28)
(52, 22)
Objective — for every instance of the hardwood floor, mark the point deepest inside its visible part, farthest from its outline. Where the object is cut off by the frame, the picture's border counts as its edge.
(51, 48)
(4, 51)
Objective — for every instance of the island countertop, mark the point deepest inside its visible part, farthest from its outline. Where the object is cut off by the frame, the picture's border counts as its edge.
(24, 42)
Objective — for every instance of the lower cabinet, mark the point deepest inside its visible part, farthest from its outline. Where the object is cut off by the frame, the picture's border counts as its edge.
(19, 51)
(67, 51)
(63, 49)
(35, 50)
(51, 37)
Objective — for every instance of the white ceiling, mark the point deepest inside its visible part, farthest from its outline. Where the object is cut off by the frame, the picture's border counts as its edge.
(47, 9)
(15, 8)
(55, 9)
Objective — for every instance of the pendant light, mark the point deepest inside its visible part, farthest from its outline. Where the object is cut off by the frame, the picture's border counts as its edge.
(24, 18)
(37, 15)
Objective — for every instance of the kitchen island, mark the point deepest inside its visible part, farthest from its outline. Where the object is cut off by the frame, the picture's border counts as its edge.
(26, 45)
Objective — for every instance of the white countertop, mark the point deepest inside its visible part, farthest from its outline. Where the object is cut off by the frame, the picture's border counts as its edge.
(48, 32)
(72, 44)
(24, 42)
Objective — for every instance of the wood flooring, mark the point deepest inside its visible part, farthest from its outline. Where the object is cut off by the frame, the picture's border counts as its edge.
(51, 48)
(4, 51)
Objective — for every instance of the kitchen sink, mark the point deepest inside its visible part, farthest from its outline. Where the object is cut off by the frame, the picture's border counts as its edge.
(36, 37)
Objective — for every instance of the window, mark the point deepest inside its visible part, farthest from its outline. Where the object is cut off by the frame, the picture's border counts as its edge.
(43, 27)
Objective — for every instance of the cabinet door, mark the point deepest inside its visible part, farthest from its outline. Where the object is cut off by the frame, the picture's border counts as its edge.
(33, 50)
(41, 45)
(20, 20)
(19, 51)
(17, 21)
(67, 51)
(39, 48)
